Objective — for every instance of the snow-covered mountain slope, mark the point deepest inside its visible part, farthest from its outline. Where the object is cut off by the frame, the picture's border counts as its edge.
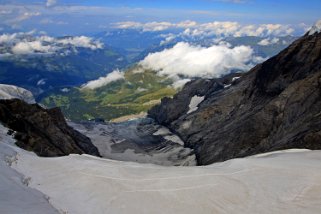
(315, 28)
(8, 92)
(15, 195)
(282, 182)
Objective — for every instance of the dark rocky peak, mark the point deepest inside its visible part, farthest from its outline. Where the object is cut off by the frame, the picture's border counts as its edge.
(43, 131)
(274, 106)
(296, 62)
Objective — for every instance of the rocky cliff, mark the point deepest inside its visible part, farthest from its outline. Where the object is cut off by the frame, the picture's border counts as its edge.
(274, 106)
(43, 131)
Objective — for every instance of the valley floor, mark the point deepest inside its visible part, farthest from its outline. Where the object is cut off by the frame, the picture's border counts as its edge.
(281, 182)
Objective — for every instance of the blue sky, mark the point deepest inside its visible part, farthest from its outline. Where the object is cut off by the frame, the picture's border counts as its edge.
(84, 16)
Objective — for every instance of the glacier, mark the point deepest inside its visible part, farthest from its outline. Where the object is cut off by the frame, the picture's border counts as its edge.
(279, 182)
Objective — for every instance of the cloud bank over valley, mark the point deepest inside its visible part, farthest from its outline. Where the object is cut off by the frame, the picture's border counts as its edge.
(102, 81)
(196, 61)
(185, 61)
(28, 44)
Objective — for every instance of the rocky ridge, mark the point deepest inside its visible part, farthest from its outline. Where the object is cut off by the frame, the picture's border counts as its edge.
(274, 106)
(43, 131)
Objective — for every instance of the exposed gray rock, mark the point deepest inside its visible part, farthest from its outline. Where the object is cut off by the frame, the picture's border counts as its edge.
(139, 140)
(172, 109)
(11, 92)
(275, 106)
(43, 131)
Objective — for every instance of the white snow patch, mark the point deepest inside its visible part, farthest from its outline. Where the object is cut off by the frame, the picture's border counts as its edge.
(235, 78)
(162, 131)
(195, 101)
(315, 28)
(175, 139)
(8, 92)
(168, 135)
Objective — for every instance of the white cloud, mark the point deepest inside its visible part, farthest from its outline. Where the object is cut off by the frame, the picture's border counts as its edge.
(26, 43)
(24, 16)
(5, 12)
(6, 38)
(180, 83)
(194, 29)
(269, 41)
(47, 21)
(149, 26)
(157, 26)
(186, 24)
(81, 41)
(102, 81)
(168, 38)
(51, 3)
(65, 90)
(154, 26)
(26, 47)
(41, 82)
(196, 61)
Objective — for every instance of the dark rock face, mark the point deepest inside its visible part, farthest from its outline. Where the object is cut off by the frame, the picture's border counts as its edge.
(171, 109)
(43, 131)
(275, 106)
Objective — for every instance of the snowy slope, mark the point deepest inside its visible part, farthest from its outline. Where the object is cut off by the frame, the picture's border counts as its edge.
(283, 182)
(15, 195)
(315, 28)
(11, 92)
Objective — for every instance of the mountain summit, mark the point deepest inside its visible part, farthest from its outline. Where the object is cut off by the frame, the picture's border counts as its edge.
(274, 106)
(315, 28)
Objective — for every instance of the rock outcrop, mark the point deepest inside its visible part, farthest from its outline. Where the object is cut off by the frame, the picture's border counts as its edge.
(8, 92)
(43, 131)
(274, 106)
